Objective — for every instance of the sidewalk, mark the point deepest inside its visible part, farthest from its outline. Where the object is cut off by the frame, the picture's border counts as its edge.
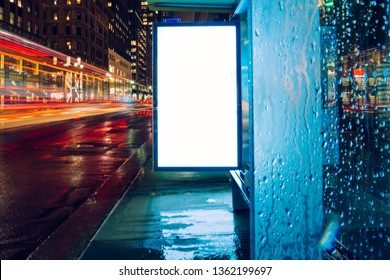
(140, 214)
(173, 216)
(68, 241)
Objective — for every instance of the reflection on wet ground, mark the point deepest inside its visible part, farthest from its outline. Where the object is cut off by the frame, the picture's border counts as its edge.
(50, 171)
(357, 189)
(174, 216)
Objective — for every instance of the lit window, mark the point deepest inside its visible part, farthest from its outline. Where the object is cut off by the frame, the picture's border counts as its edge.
(69, 2)
(69, 45)
(20, 3)
(1, 13)
(68, 15)
(55, 16)
(12, 18)
(78, 2)
(20, 21)
(29, 26)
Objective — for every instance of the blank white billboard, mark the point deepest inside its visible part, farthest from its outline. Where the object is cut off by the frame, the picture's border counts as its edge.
(197, 116)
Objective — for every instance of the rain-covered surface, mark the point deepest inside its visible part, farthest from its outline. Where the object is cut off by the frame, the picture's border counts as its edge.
(174, 216)
(356, 193)
(321, 81)
(356, 101)
(287, 123)
(47, 172)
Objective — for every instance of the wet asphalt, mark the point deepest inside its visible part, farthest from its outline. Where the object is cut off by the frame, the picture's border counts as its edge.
(49, 170)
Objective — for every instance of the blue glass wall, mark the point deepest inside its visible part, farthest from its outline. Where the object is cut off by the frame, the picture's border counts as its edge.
(319, 156)
(286, 192)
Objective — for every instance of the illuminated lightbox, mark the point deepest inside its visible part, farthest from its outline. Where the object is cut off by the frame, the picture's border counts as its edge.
(197, 101)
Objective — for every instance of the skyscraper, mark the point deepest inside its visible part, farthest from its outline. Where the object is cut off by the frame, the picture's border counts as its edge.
(138, 44)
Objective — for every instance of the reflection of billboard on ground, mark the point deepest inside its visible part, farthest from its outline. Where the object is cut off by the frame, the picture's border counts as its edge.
(197, 120)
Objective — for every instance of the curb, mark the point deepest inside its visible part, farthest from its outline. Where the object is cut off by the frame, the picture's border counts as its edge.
(73, 236)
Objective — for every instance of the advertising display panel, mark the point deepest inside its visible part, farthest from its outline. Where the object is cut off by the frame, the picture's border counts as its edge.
(197, 100)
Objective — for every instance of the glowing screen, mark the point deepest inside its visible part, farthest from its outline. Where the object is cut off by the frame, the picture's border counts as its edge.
(197, 116)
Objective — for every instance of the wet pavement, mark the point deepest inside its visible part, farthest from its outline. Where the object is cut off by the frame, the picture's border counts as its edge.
(174, 216)
(72, 236)
(50, 169)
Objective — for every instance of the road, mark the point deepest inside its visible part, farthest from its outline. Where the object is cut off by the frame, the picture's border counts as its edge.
(53, 160)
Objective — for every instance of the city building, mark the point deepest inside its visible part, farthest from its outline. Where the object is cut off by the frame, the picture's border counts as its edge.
(138, 57)
(23, 18)
(119, 50)
(148, 17)
(113, 35)
(78, 28)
